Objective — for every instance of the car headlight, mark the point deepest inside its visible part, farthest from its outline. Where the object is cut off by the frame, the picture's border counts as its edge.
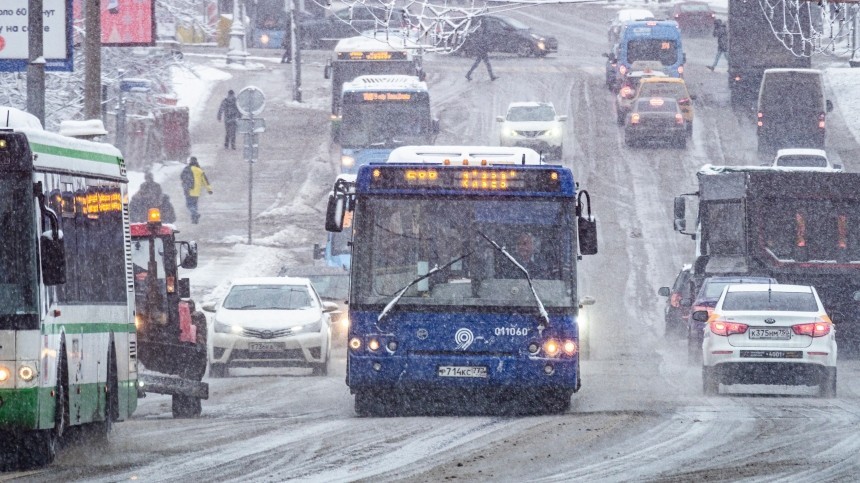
(223, 328)
(555, 131)
(541, 45)
(347, 161)
(312, 327)
(508, 132)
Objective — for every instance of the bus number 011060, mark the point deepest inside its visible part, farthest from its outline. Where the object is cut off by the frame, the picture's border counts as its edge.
(512, 331)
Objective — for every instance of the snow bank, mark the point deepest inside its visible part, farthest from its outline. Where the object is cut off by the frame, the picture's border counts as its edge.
(845, 85)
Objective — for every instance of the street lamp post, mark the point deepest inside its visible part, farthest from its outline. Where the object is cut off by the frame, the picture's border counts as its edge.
(237, 53)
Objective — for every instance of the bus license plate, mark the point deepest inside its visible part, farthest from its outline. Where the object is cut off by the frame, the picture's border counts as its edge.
(777, 333)
(462, 371)
(266, 346)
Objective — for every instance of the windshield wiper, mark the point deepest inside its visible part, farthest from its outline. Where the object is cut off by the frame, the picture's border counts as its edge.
(402, 291)
(513, 260)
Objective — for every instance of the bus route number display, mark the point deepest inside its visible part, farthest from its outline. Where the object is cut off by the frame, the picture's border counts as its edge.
(376, 55)
(482, 179)
(386, 96)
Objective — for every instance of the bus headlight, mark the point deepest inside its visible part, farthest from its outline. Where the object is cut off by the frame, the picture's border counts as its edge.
(26, 373)
(551, 347)
(264, 39)
(347, 161)
(569, 347)
(5, 374)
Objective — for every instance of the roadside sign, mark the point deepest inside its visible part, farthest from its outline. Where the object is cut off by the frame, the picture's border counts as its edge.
(135, 85)
(250, 101)
(254, 125)
(57, 38)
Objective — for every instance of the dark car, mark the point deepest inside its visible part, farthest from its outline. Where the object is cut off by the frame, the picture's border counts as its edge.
(676, 313)
(655, 118)
(706, 299)
(332, 285)
(509, 35)
(323, 32)
(694, 17)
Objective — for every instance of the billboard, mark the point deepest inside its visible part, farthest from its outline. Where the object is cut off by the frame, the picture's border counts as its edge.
(127, 23)
(14, 40)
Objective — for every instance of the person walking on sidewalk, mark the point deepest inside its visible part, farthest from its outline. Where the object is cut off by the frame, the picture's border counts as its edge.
(287, 44)
(722, 35)
(193, 181)
(481, 46)
(230, 112)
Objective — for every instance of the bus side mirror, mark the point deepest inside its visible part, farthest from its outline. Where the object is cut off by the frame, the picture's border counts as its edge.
(327, 71)
(680, 209)
(188, 254)
(334, 213)
(53, 252)
(319, 251)
(434, 126)
(335, 130)
(587, 235)
(663, 291)
(829, 105)
(422, 76)
(183, 288)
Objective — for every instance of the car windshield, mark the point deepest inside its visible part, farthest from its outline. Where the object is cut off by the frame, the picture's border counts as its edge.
(674, 90)
(531, 113)
(663, 50)
(802, 161)
(695, 7)
(515, 23)
(268, 297)
(627, 15)
(771, 300)
(333, 287)
(714, 288)
(656, 105)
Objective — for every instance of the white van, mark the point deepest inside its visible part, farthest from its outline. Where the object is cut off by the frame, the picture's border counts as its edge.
(792, 109)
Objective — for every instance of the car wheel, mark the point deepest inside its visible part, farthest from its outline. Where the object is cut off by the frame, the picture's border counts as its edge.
(629, 140)
(218, 370)
(525, 50)
(710, 381)
(681, 142)
(690, 128)
(620, 116)
(827, 384)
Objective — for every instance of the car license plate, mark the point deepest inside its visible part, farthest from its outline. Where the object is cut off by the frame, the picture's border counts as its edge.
(773, 354)
(776, 333)
(462, 371)
(266, 346)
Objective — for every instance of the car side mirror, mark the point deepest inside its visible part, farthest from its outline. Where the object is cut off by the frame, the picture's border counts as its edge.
(562, 118)
(838, 166)
(329, 307)
(663, 291)
(605, 55)
(829, 105)
(700, 316)
(327, 71)
(586, 300)
(319, 251)
(500, 118)
(208, 306)
(693, 97)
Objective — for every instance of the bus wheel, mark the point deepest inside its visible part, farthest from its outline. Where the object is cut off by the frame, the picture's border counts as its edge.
(557, 401)
(368, 403)
(38, 448)
(102, 429)
(186, 406)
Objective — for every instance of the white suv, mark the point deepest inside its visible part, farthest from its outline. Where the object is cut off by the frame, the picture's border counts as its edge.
(804, 159)
(533, 125)
(768, 334)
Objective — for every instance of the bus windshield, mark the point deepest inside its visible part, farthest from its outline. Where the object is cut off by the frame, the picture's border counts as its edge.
(400, 123)
(403, 238)
(18, 271)
(662, 50)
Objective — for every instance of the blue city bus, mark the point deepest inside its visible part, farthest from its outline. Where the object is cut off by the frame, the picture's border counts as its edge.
(380, 113)
(464, 277)
(269, 21)
(654, 44)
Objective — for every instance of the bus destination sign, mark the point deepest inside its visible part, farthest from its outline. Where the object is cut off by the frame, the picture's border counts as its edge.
(386, 96)
(469, 179)
(372, 55)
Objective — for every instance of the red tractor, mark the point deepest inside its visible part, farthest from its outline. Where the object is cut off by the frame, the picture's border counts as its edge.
(171, 333)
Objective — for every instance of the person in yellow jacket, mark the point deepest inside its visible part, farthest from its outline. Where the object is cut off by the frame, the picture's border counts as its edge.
(193, 181)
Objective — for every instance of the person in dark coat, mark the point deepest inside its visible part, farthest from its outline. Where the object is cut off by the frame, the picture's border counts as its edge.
(150, 196)
(722, 35)
(287, 44)
(480, 44)
(230, 112)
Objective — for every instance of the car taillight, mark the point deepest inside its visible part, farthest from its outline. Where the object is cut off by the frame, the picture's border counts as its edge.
(675, 299)
(821, 121)
(812, 329)
(679, 119)
(622, 69)
(681, 71)
(677, 15)
(726, 328)
(634, 119)
(683, 102)
(760, 119)
(626, 92)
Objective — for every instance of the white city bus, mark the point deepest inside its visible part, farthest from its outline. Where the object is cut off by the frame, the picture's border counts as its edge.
(67, 333)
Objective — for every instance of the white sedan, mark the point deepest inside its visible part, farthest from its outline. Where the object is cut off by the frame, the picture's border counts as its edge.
(533, 125)
(804, 159)
(271, 322)
(768, 334)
